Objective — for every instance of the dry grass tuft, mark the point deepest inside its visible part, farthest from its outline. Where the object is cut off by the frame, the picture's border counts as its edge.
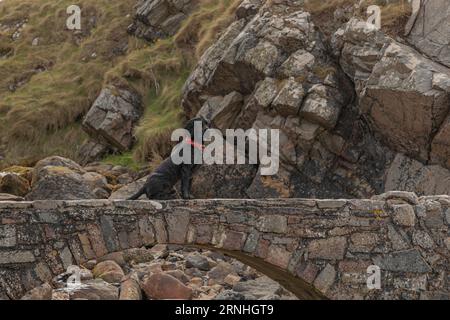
(46, 89)
(394, 13)
(159, 71)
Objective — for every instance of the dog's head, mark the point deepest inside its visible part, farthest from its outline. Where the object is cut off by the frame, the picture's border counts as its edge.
(190, 125)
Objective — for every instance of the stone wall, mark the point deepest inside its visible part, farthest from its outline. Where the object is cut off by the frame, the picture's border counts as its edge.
(327, 243)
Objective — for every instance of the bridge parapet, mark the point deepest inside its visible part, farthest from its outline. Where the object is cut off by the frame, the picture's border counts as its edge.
(328, 243)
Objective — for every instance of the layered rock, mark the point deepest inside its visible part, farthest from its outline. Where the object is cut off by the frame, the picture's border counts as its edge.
(111, 119)
(344, 125)
(405, 95)
(431, 30)
(276, 60)
(158, 19)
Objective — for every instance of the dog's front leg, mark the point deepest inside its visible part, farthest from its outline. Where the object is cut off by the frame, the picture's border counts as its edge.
(186, 179)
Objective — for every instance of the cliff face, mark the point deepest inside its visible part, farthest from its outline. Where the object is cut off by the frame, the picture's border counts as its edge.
(359, 112)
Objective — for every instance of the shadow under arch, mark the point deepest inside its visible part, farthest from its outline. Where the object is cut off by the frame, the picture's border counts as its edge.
(299, 287)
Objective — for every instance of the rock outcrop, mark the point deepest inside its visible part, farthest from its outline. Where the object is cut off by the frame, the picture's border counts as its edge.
(347, 107)
(405, 95)
(112, 117)
(60, 178)
(431, 30)
(158, 19)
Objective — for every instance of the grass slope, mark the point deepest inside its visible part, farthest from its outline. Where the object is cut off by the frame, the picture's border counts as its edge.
(46, 89)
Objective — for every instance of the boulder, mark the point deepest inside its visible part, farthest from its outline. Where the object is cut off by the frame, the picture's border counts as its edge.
(218, 274)
(158, 19)
(96, 289)
(405, 173)
(12, 183)
(130, 290)
(59, 183)
(164, 286)
(258, 288)
(289, 99)
(197, 261)
(222, 113)
(405, 95)
(431, 30)
(92, 151)
(56, 161)
(95, 180)
(112, 117)
(109, 271)
(128, 190)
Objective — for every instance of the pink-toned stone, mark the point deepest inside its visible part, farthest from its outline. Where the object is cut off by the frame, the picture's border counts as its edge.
(130, 290)
(86, 245)
(278, 256)
(233, 240)
(262, 249)
(328, 249)
(109, 271)
(307, 272)
(96, 239)
(177, 225)
(164, 286)
(204, 233)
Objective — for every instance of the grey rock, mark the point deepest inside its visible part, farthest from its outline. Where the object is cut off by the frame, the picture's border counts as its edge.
(94, 290)
(43, 292)
(403, 261)
(408, 174)
(260, 287)
(197, 261)
(422, 239)
(59, 183)
(322, 106)
(113, 116)
(128, 190)
(430, 32)
(92, 151)
(159, 19)
(325, 279)
(229, 295)
(289, 98)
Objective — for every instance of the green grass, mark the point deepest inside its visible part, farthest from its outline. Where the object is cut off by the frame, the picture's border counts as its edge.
(124, 160)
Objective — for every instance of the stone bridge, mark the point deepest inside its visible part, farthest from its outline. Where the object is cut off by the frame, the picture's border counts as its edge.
(327, 245)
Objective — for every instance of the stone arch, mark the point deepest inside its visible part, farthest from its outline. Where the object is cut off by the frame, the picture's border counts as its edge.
(326, 243)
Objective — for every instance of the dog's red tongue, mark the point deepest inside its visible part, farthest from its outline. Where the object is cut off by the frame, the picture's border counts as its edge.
(195, 144)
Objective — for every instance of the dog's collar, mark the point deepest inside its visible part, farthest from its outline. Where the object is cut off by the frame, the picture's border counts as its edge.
(195, 144)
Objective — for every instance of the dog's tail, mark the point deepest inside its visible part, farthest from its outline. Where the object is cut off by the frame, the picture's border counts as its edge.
(138, 194)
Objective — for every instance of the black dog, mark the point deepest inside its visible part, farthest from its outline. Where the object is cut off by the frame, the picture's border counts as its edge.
(160, 184)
